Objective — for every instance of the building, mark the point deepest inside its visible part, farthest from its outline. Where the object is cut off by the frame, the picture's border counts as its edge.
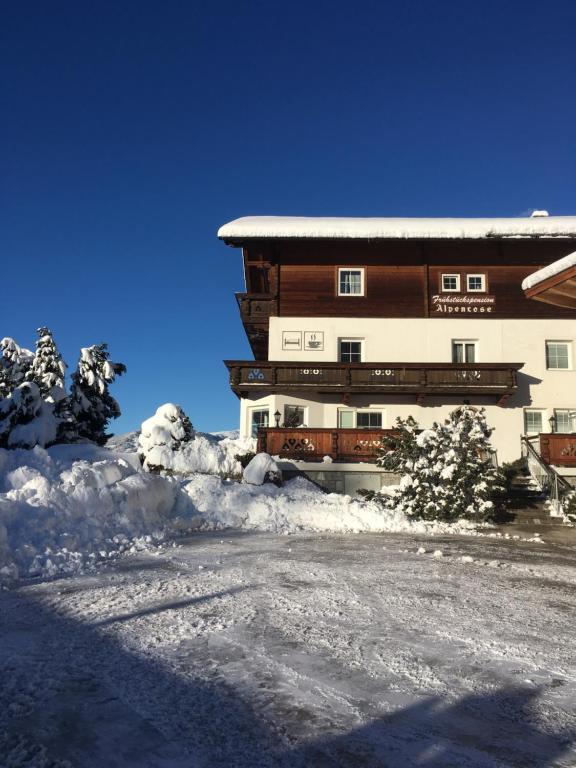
(354, 322)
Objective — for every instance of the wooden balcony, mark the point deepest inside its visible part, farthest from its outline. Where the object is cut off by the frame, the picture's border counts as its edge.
(558, 449)
(309, 444)
(419, 379)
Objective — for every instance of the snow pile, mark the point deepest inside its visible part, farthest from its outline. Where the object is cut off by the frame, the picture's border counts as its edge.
(65, 507)
(261, 467)
(163, 436)
(298, 505)
(168, 442)
(207, 454)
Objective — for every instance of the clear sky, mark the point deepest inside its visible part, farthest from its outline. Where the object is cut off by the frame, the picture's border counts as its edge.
(130, 131)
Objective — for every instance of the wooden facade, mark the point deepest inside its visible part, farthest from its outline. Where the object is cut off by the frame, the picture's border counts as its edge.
(402, 279)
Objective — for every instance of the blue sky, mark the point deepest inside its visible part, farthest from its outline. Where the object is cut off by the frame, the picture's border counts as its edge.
(131, 131)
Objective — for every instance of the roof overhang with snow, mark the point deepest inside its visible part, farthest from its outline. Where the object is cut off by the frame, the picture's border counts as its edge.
(329, 228)
(554, 284)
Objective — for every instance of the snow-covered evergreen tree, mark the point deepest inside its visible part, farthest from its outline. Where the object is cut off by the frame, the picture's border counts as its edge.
(14, 365)
(446, 472)
(162, 436)
(26, 420)
(91, 404)
(48, 368)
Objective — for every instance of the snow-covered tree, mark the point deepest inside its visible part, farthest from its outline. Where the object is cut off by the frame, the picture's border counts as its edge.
(91, 404)
(446, 472)
(48, 368)
(14, 365)
(26, 420)
(162, 436)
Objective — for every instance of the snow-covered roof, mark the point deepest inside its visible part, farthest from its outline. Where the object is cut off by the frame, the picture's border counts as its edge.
(255, 227)
(550, 271)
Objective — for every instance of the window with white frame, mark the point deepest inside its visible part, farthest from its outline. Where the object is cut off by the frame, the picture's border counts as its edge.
(259, 419)
(350, 350)
(294, 416)
(476, 283)
(565, 420)
(450, 283)
(352, 418)
(464, 351)
(350, 282)
(558, 355)
(533, 421)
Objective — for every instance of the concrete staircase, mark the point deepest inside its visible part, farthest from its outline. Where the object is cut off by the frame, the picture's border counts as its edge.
(528, 512)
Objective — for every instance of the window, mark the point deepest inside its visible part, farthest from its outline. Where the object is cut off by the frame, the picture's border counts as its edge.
(533, 422)
(259, 418)
(565, 420)
(464, 351)
(558, 355)
(350, 282)
(348, 418)
(450, 283)
(476, 283)
(294, 416)
(350, 351)
(369, 420)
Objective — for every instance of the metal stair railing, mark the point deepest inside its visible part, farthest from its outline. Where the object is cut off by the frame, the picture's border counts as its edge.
(547, 479)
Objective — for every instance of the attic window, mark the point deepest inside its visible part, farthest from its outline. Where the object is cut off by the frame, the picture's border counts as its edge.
(451, 283)
(476, 283)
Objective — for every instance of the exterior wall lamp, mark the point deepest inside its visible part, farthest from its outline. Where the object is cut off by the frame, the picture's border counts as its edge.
(552, 422)
(277, 417)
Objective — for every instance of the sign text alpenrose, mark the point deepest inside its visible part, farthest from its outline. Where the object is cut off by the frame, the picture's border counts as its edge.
(463, 304)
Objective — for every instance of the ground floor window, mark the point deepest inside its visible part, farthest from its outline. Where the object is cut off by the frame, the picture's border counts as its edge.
(294, 416)
(259, 418)
(565, 420)
(533, 422)
(350, 418)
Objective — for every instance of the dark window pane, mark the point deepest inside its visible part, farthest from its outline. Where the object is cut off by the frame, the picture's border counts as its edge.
(368, 420)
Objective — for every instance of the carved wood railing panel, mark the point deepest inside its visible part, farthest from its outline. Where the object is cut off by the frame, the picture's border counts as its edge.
(309, 444)
(558, 449)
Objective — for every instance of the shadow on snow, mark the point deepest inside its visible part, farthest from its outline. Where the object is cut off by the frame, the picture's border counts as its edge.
(72, 691)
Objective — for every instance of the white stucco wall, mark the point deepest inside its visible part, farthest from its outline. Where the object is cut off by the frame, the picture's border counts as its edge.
(430, 340)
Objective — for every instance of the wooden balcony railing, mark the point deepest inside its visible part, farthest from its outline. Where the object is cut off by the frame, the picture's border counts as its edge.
(309, 444)
(420, 379)
(558, 449)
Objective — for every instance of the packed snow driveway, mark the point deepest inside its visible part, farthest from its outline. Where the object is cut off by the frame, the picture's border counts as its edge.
(252, 650)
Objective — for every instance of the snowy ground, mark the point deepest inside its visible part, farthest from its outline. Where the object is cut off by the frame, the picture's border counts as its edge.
(244, 650)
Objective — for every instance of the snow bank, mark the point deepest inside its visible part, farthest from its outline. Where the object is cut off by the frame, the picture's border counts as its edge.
(209, 453)
(396, 228)
(298, 505)
(67, 506)
(259, 467)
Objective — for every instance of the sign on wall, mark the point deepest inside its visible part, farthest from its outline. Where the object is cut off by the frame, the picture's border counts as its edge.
(292, 340)
(314, 341)
(457, 304)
